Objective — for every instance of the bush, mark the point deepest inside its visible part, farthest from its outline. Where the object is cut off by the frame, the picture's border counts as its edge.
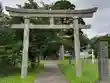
(66, 57)
(11, 53)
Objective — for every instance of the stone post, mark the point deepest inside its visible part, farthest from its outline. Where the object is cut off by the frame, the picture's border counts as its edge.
(93, 57)
(103, 66)
(24, 69)
(62, 52)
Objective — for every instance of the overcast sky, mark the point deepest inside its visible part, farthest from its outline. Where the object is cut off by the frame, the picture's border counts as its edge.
(100, 21)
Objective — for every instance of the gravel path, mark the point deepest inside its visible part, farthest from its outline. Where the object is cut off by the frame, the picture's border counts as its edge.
(51, 74)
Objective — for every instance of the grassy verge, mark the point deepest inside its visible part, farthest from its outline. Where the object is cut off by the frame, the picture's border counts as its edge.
(15, 78)
(89, 72)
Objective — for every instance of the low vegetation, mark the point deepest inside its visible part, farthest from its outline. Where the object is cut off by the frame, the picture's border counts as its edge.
(89, 72)
(14, 77)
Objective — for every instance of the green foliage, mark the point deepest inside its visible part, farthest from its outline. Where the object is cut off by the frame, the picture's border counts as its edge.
(10, 47)
(63, 4)
(66, 57)
(11, 53)
(7, 36)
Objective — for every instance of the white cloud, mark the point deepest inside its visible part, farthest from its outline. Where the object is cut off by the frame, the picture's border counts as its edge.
(91, 3)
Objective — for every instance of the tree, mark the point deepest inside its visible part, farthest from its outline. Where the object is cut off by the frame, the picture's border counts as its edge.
(1, 8)
(64, 4)
(3, 17)
(10, 47)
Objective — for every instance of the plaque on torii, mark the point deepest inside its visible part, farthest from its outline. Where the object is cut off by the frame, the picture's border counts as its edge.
(28, 13)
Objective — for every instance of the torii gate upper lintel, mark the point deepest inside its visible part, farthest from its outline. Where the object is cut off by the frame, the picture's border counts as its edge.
(27, 13)
(84, 13)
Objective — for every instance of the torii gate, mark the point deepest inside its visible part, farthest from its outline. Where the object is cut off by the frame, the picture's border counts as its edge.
(28, 13)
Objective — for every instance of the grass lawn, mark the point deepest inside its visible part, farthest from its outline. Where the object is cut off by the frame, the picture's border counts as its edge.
(89, 72)
(15, 78)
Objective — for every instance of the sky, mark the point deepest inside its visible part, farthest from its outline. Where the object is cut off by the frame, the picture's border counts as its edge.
(100, 21)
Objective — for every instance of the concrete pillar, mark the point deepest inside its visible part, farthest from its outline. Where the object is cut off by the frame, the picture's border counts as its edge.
(24, 69)
(77, 47)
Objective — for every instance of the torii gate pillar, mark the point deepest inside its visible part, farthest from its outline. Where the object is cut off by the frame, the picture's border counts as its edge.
(77, 46)
(24, 68)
